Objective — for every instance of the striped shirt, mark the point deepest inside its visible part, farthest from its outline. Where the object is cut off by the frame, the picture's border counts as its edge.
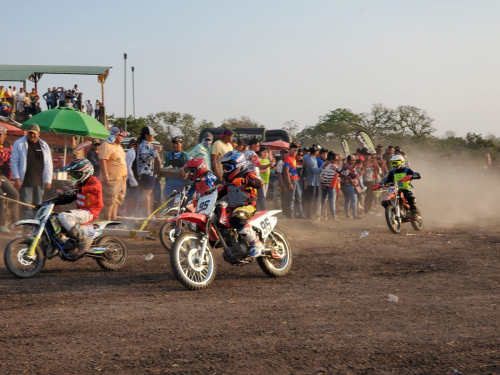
(328, 174)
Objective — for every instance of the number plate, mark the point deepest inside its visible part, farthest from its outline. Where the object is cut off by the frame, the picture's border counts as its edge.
(391, 190)
(206, 203)
(176, 200)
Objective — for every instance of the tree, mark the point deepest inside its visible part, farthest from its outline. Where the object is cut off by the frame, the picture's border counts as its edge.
(292, 127)
(412, 121)
(242, 122)
(134, 125)
(379, 121)
(334, 125)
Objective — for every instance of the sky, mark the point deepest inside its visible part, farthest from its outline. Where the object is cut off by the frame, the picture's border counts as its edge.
(273, 61)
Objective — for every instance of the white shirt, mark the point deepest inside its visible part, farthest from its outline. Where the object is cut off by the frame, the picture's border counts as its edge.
(129, 160)
(279, 167)
(253, 162)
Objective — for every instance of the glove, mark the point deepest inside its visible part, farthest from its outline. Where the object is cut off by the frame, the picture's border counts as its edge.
(239, 181)
(71, 193)
(38, 206)
(415, 176)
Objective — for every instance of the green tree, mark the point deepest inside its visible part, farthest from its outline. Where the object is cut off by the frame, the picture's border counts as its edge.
(292, 127)
(134, 125)
(334, 125)
(412, 121)
(242, 122)
(379, 121)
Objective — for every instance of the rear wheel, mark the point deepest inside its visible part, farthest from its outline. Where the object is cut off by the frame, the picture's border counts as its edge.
(115, 256)
(191, 271)
(17, 261)
(418, 225)
(392, 221)
(277, 267)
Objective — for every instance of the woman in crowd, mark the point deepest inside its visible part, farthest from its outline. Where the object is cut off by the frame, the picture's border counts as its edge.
(329, 182)
(146, 155)
(348, 182)
(264, 175)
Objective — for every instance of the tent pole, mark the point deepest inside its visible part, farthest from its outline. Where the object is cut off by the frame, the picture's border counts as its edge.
(65, 139)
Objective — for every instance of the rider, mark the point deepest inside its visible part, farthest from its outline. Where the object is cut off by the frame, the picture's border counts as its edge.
(399, 171)
(201, 176)
(87, 191)
(241, 197)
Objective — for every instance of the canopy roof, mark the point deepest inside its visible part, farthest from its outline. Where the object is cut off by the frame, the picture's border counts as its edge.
(23, 72)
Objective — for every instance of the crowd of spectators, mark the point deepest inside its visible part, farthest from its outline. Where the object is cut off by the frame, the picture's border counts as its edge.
(21, 105)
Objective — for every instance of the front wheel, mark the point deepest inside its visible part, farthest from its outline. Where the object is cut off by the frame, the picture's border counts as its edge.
(167, 233)
(277, 267)
(18, 263)
(191, 271)
(392, 221)
(113, 259)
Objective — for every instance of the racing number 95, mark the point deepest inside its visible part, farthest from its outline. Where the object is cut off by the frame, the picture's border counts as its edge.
(265, 225)
(204, 205)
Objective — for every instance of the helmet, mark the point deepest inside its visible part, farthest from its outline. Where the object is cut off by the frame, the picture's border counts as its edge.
(196, 167)
(232, 164)
(397, 161)
(80, 170)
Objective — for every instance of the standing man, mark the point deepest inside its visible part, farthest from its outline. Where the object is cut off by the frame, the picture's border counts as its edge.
(133, 196)
(281, 183)
(311, 181)
(31, 164)
(27, 107)
(203, 149)
(371, 170)
(62, 97)
(292, 184)
(175, 159)
(113, 172)
(389, 152)
(49, 99)
(34, 98)
(18, 99)
(5, 186)
(93, 157)
(219, 149)
(255, 165)
(56, 96)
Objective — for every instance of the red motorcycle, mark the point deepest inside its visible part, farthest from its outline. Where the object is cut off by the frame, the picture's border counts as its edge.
(191, 255)
(397, 209)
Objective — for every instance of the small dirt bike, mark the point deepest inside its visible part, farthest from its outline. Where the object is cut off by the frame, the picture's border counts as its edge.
(171, 230)
(397, 209)
(25, 257)
(192, 258)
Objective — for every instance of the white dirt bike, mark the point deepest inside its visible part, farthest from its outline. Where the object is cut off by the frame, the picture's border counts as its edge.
(191, 256)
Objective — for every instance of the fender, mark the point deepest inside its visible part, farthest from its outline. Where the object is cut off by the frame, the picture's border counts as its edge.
(264, 221)
(199, 219)
(24, 222)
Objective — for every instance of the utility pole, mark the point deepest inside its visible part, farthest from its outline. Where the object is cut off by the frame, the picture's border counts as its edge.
(133, 91)
(125, 91)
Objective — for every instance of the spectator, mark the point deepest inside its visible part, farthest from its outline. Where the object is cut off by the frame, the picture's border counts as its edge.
(5, 185)
(73, 97)
(133, 195)
(265, 174)
(348, 182)
(2, 92)
(27, 107)
(31, 165)
(240, 144)
(311, 180)
(203, 150)
(97, 110)
(56, 96)
(62, 97)
(5, 108)
(34, 98)
(389, 152)
(281, 182)
(253, 164)
(273, 191)
(75, 90)
(219, 149)
(371, 170)
(88, 108)
(49, 99)
(329, 183)
(9, 96)
(93, 157)
(146, 155)
(113, 172)
(18, 100)
(36, 109)
(175, 159)
(292, 183)
(322, 156)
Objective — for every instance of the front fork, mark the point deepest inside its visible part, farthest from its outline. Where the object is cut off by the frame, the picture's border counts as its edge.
(36, 239)
(204, 240)
(395, 203)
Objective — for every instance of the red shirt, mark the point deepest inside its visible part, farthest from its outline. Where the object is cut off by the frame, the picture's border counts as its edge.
(90, 197)
(291, 163)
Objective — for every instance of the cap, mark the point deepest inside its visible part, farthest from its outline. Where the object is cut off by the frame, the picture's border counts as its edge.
(226, 132)
(148, 130)
(380, 146)
(371, 152)
(240, 141)
(34, 128)
(314, 148)
(294, 145)
(114, 132)
(208, 136)
(177, 139)
(284, 151)
(3, 130)
(96, 141)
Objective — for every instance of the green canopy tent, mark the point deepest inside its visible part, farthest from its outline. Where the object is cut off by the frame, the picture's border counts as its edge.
(68, 121)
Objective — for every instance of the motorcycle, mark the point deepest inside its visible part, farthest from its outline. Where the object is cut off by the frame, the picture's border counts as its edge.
(25, 257)
(192, 258)
(169, 231)
(397, 209)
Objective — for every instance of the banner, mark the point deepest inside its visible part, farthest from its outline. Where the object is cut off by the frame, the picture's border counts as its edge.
(345, 147)
(365, 141)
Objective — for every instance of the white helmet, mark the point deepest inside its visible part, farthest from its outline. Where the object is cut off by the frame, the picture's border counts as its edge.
(397, 161)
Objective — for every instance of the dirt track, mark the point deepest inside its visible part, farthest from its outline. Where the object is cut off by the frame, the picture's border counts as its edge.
(330, 316)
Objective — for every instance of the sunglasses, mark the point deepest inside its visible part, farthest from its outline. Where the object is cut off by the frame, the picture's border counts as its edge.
(228, 167)
(300, 154)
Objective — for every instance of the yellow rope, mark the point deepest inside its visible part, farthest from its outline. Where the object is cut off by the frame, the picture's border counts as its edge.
(145, 222)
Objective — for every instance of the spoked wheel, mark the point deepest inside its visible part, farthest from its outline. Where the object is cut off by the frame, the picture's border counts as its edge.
(192, 272)
(418, 225)
(279, 266)
(392, 221)
(167, 233)
(115, 256)
(18, 262)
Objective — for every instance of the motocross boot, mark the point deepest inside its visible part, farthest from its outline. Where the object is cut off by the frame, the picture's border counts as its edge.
(253, 240)
(84, 242)
(414, 214)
